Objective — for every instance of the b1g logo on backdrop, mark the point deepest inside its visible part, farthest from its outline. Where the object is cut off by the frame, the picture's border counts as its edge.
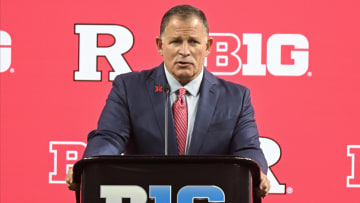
(5, 51)
(353, 180)
(224, 59)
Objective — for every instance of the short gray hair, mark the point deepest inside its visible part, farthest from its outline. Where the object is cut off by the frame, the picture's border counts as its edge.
(184, 12)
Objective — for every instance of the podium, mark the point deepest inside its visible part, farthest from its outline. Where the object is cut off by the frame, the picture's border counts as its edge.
(167, 179)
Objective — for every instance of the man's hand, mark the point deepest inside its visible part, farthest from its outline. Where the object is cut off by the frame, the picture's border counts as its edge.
(264, 186)
(70, 181)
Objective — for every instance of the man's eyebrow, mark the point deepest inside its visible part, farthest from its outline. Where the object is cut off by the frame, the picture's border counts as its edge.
(193, 37)
(175, 38)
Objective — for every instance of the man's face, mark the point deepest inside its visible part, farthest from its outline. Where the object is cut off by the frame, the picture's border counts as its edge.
(184, 46)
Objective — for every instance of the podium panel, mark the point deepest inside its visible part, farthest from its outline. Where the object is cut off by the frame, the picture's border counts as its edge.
(165, 179)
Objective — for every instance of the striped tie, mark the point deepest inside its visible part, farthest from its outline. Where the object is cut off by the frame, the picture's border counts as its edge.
(181, 120)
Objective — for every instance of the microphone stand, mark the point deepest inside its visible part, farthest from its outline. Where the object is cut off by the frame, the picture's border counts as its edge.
(167, 91)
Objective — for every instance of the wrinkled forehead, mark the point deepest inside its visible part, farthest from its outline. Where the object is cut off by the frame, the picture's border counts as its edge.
(179, 25)
(185, 19)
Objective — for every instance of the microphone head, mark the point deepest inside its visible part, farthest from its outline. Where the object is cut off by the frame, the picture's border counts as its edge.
(167, 88)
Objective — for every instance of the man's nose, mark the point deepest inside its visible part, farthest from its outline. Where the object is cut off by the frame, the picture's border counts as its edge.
(184, 49)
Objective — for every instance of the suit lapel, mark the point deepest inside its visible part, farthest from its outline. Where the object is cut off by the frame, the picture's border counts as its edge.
(158, 98)
(206, 106)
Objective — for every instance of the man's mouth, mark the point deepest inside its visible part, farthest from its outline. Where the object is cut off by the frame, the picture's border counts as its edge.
(183, 63)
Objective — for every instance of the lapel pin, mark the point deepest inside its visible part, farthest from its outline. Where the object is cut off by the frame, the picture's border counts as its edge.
(158, 88)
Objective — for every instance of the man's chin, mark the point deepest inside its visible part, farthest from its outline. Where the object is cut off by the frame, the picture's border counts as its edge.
(184, 78)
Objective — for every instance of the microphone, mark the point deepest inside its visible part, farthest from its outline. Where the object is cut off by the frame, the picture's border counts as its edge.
(167, 91)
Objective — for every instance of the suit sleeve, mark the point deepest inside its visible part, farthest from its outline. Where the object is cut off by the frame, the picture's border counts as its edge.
(114, 126)
(245, 141)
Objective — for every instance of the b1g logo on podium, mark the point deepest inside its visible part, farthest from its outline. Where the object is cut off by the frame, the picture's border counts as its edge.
(161, 194)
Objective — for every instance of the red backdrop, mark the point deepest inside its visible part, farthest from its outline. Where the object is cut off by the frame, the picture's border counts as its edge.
(297, 57)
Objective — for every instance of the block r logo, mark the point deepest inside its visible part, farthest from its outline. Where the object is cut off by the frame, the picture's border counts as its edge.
(5, 51)
(89, 50)
(353, 180)
(65, 155)
(272, 152)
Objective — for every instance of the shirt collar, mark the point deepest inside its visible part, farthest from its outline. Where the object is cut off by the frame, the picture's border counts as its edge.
(192, 87)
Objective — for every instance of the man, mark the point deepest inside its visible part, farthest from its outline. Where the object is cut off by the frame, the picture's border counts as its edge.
(209, 115)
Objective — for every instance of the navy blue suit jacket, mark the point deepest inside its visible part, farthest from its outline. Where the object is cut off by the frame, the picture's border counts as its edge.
(134, 111)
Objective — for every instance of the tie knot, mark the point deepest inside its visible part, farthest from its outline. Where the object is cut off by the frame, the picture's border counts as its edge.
(182, 92)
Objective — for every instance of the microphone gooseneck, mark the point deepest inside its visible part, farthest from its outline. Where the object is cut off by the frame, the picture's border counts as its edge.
(167, 91)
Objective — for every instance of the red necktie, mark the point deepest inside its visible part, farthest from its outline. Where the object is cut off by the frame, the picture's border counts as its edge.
(181, 120)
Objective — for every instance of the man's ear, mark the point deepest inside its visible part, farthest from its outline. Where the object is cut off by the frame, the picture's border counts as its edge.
(209, 44)
(159, 45)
